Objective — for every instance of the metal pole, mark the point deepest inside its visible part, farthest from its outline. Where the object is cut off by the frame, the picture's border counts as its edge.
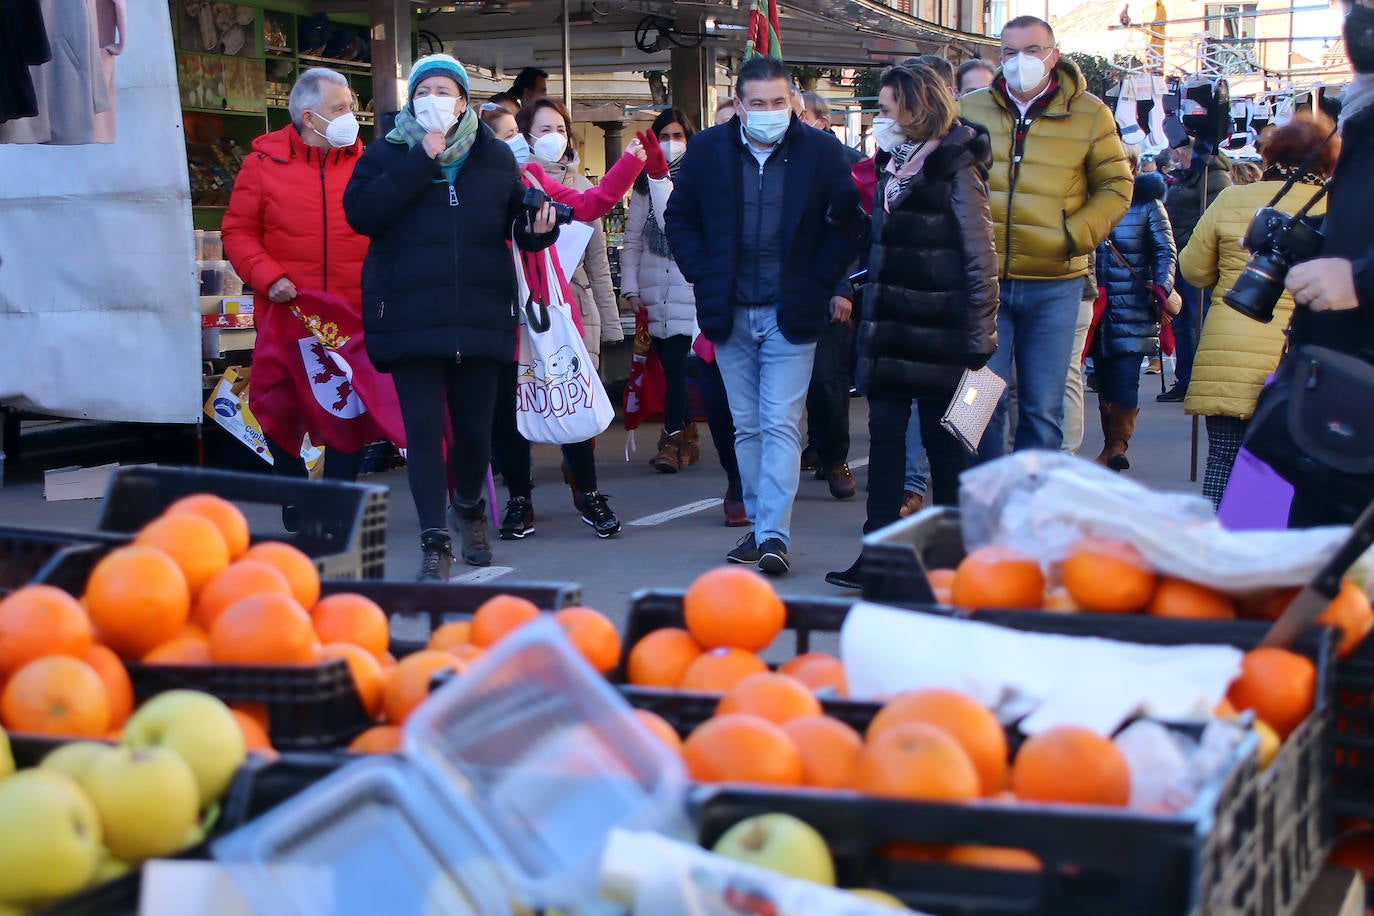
(567, 59)
(1196, 329)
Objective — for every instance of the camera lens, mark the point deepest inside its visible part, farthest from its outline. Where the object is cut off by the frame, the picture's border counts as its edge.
(1259, 287)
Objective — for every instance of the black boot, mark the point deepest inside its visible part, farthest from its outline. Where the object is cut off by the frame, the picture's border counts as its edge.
(847, 578)
(470, 522)
(436, 556)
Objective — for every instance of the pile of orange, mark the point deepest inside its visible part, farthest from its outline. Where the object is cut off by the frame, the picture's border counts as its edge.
(1108, 576)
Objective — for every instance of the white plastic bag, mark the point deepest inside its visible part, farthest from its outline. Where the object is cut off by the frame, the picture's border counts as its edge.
(558, 394)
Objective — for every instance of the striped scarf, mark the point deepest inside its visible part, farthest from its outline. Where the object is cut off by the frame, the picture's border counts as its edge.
(460, 138)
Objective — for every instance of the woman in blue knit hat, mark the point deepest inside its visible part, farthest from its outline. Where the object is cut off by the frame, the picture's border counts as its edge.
(440, 198)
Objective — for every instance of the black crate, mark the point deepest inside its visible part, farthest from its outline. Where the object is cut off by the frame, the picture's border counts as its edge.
(895, 558)
(436, 603)
(1353, 760)
(262, 784)
(342, 526)
(685, 711)
(60, 558)
(310, 707)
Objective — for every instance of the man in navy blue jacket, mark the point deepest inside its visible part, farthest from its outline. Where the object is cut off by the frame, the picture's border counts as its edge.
(750, 226)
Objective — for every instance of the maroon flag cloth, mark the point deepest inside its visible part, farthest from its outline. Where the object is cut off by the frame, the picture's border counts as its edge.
(311, 375)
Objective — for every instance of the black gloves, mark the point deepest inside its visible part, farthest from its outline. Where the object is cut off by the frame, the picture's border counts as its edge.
(976, 361)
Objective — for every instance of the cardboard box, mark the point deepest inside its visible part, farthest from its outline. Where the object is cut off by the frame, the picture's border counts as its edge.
(77, 482)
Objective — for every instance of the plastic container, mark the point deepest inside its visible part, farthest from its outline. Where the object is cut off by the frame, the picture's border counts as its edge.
(1353, 761)
(212, 274)
(342, 526)
(510, 780)
(212, 245)
(60, 558)
(895, 558)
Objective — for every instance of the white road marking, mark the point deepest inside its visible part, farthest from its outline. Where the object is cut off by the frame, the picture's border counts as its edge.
(701, 505)
(482, 574)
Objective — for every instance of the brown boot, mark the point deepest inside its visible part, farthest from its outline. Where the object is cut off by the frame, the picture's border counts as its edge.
(667, 460)
(1119, 433)
(1105, 411)
(689, 448)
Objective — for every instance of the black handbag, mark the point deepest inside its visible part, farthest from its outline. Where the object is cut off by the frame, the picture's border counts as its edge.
(1315, 422)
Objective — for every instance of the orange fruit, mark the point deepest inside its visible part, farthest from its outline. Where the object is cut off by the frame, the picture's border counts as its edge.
(662, 658)
(192, 541)
(1280, 686)
(379, 739)
(998, 577)
(118, 688)
(407, 685)
(366, 671)
(742, 748)
(182, 650)
(194, 631)
(735, 607)
(1000, 858)
(940, 578)
(388, 662)
(1109, 576)
(241, 580)
(137, 599)
(254, 736)
(468, 653)
(593, 635)
(961, 717)
(775, 697)
(225, 516)
(500, 616)
(1071, 764)
(720, 669)
(257, 712)
(916, 761)
(829, 750)
(1351, 613)
(39, 620)
(299, 570)
(1184, 600)
(267, 629)
(1355, 850)
(660, 727)
(449, 635)
(56, 695)
(350, 618)
(1268, 604)
(1060, 601)
(824, 674)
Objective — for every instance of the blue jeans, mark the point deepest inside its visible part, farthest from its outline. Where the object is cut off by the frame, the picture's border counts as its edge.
(1186, 325)
(766, 379)
(917, 462)
(1035, 328)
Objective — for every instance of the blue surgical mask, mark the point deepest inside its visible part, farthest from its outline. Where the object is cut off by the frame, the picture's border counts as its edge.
(767, 126)
(521, 148)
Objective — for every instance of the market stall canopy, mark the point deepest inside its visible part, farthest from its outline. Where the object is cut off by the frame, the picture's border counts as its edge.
(505, 35)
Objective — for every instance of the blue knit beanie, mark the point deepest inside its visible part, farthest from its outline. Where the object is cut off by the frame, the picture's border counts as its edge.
(438, 65)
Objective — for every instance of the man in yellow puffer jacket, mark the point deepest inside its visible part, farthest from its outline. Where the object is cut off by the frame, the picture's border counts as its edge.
(1060, 182)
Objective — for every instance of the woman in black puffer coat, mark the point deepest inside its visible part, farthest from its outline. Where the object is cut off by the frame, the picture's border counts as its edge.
(1139, 254)
(929, 308)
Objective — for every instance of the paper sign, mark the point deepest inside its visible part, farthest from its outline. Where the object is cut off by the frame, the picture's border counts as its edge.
(572, 245)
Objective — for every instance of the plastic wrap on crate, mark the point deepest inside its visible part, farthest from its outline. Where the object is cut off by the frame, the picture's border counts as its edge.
(1041, 502)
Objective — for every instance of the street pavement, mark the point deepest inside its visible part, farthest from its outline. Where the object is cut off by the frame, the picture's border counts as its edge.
(672, 523)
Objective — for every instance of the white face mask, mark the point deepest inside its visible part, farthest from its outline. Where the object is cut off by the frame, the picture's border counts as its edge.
(436, 112)
(550, 147)
(1024, 72)
(340, 132)
(767, 126)
(887, 134)
(673, 150)
(521, 148)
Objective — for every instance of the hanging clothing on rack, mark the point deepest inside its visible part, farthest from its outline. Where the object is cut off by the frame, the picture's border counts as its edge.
(71, 88)
(23, 44)
(111, 33)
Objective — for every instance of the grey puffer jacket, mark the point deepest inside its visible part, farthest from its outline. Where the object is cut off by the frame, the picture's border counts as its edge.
(1144, 238)
(591, 281)
(668, 298)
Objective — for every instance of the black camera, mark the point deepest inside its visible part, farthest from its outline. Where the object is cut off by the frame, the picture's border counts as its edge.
(534, 202)
(1276, 241)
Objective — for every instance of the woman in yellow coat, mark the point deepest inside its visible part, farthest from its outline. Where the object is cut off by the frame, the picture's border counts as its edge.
(1236, 353)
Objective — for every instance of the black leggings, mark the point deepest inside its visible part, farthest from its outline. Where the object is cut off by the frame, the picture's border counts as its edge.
(672, 353)
(470, 390)
(337, 465)
(887, 424)
(512, 450)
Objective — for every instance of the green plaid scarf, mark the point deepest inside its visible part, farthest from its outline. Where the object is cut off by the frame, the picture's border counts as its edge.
(460, 138)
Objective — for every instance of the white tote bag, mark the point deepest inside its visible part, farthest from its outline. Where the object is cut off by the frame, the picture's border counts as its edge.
(559, 397)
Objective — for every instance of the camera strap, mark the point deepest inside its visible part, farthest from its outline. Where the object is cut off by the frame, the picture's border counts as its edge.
(1302, 170)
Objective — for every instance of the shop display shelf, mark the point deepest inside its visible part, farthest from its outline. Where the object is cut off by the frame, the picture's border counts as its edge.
(60, 558)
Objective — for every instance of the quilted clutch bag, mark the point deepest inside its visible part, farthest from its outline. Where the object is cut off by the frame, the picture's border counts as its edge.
(970, 410)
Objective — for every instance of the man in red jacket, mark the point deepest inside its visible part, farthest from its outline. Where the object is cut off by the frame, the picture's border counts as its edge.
(285, 232)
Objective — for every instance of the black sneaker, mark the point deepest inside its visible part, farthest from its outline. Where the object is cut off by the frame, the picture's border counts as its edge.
(810, 459)
(1174, 394)
(846, 578)
(597, 513)
(773, 557)
(518, 522)
(436, 556)
(746, 551)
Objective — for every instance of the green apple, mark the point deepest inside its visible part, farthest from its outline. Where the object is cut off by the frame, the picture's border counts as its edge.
(147, 801)
(198, 727)
(876, 896)
(50, 843)
(6, 755)
(73, 760)
(781, 843)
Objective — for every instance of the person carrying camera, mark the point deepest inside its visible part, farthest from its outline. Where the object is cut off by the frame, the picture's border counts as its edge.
(1237, 353)
(1336, 290)
(440, 197)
